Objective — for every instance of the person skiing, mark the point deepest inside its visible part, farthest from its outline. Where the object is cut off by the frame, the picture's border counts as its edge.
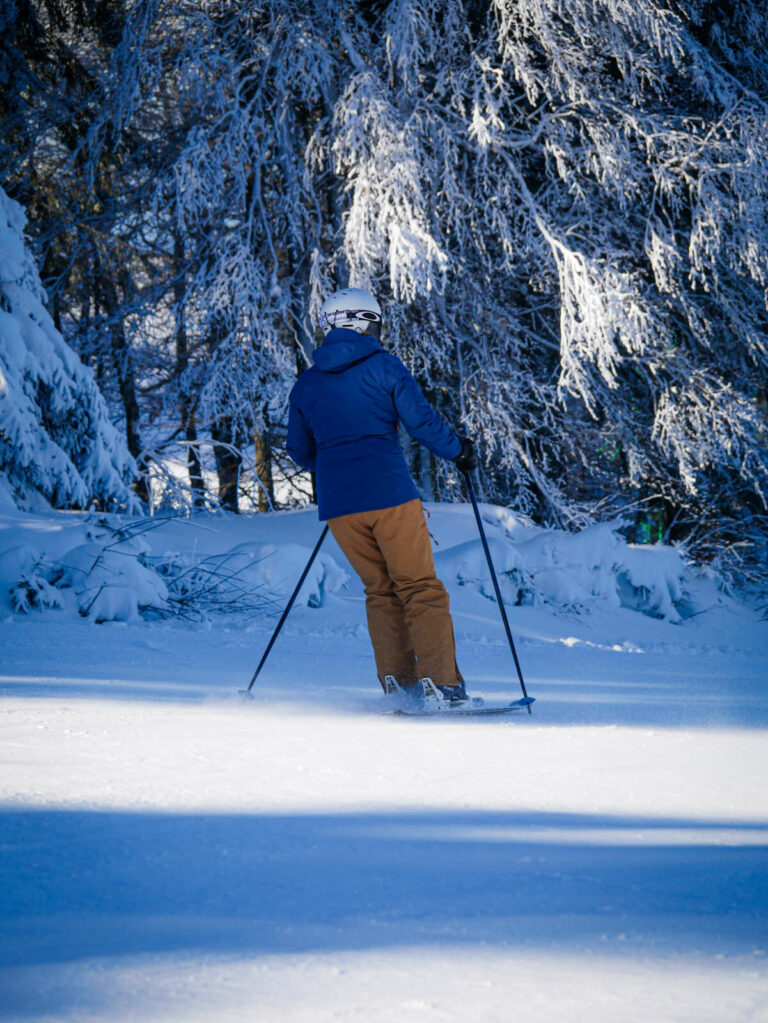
(343, 426)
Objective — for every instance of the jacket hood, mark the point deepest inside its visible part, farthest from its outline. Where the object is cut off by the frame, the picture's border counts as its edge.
(342, 348)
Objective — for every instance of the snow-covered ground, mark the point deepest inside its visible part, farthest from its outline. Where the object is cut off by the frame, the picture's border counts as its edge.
(168, 852)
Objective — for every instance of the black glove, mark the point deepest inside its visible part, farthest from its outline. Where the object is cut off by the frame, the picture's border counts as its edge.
(466, 460)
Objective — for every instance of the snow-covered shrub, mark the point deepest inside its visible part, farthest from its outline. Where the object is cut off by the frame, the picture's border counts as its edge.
(34, 591)
(111, 576)
(200, 587)
(252, 578)
(466, 564)
(110, 582)
(597, 565)
(280, 566)
(28, 573)
(104, 579)
(579, 571)
(57, 444)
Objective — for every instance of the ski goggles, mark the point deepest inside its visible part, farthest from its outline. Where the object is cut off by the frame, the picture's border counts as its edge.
(330, 319)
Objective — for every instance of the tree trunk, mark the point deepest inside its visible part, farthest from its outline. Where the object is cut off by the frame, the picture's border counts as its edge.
(187, 404)
(228, 462)
(194, 466)
(126, 380)
(263, 448)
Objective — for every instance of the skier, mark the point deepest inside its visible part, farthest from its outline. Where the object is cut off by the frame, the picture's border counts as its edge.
(344, 413)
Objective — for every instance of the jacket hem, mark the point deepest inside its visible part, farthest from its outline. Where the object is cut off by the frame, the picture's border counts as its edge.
(324, 516)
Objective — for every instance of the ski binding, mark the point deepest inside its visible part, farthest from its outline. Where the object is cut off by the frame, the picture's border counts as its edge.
(429, 702)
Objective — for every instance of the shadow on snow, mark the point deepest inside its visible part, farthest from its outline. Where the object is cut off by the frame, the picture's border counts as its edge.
(77, 884)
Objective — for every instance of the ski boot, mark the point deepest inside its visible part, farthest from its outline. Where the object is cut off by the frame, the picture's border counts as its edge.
(401, 696)
(439, 698)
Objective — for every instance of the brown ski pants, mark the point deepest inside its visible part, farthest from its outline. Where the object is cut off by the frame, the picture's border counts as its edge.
(409, 620)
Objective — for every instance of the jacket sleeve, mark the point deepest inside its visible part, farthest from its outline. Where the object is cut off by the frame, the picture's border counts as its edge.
(300, 442)
(419, 418)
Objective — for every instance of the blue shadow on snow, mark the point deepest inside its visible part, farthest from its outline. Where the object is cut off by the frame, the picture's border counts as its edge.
(83, 884)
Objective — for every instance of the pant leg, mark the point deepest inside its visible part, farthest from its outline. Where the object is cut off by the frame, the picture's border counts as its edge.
(402, 537)
(390, 637)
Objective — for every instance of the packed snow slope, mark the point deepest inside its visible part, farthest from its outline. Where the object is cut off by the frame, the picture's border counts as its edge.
(168, 852)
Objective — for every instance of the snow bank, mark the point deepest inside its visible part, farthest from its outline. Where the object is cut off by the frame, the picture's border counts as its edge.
(103, 581)
(279, 567)
(110, 574)
(110, 582)
(117, 568)
(577, 571)
(250, 578)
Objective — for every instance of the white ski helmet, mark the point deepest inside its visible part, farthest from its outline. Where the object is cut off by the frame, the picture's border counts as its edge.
(352, 308)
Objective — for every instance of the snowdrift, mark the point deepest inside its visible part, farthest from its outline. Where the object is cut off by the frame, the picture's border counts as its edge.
(114, 576)
(117, 568)
(578, 571)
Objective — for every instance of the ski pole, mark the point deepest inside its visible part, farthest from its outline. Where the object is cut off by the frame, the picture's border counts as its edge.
(496, 589)
(247, 692)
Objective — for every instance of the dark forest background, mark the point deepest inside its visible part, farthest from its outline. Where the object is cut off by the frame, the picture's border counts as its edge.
(561, 206)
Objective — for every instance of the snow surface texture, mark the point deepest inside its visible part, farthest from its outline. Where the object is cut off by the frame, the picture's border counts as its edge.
(57, 443)
(171, 853)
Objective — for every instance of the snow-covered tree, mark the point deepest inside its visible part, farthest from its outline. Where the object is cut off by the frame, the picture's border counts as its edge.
(57, 444)
(561, 204)
(568, 204)
(72, 158)
(248, 213)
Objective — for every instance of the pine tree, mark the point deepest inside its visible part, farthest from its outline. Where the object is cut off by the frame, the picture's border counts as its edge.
(57, 444)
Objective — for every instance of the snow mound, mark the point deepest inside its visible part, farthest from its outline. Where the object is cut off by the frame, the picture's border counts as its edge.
(279, 567)
(250, 578)
(105, 582)
(466, 564)
(115, 568)
(112, 576)
(578, 571)
(111, 583)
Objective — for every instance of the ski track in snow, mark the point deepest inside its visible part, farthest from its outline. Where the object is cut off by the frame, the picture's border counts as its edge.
(170, 853)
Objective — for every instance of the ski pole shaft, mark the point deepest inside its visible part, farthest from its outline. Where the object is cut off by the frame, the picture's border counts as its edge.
(288, 607)
(495, 581)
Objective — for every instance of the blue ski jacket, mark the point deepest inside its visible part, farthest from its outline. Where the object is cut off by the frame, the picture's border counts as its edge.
(342, 425)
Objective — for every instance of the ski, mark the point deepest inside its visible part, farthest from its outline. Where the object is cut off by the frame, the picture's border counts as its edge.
(430, 703)
(472, 708)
